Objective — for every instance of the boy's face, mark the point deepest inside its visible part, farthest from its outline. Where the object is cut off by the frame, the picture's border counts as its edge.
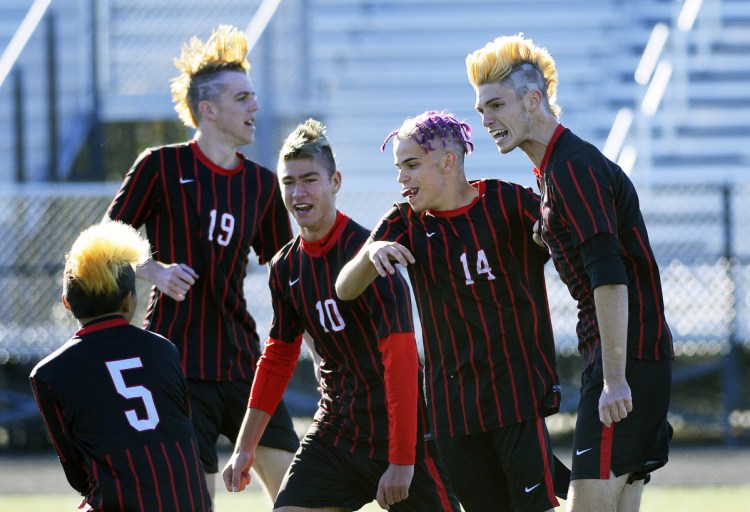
(505, 116)
(234, 109)
(309, 195)
(419, 174)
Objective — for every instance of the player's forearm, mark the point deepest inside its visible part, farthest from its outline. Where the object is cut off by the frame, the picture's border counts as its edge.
(355, 276)
(148, 269)
(253, 426)
(611, 303)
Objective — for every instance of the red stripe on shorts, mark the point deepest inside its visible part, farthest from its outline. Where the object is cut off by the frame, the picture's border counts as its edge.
(605, 451)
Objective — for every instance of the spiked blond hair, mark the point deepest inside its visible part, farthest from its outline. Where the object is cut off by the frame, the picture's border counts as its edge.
(512, 58)
(201, 63)
(100, 267)
(308, 140)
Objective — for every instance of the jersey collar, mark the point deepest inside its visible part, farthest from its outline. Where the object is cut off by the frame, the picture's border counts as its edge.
(99, 324)
(480, 185)
(556, 135)
(325, 244)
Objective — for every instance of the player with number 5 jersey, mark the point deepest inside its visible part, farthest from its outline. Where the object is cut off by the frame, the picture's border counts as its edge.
(114, 397)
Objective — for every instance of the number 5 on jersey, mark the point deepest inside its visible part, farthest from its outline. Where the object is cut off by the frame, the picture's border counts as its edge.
(115, 371)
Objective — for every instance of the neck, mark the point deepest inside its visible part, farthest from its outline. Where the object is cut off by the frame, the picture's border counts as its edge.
(462, 196)
(535, 146)
(88, 320)
(315, 234)
(219, 152)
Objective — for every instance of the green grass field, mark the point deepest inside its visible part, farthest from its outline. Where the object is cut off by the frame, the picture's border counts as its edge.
(656, 499)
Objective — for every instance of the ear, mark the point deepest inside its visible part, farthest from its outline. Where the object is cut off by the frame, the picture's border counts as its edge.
(448, 161)
(206, 110)
(65, 302)
(533, 99)
(336, 180)
(128, 304)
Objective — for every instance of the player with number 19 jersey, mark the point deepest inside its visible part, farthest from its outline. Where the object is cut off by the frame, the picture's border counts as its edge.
(489, 349)
(209, 218)
(115, 403)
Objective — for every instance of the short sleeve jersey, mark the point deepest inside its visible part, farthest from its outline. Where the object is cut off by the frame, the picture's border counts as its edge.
(115, 402)
(480, 292)
(585, 194)
(208, 218)
(352, 413)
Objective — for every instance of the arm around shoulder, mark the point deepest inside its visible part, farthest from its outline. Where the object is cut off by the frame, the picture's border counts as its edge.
(355, 276)
(373, 259)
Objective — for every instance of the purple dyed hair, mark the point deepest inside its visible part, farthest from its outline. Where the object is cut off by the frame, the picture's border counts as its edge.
(425, 127)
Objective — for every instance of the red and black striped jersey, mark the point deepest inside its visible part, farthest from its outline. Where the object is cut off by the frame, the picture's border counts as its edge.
(480, 291)
(208, 218)
(353, 412)
(585, 194)
(115, 403)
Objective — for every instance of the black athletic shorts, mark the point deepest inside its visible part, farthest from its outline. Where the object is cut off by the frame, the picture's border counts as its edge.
(506, 469)
(219, 408)
(636, 445)
(322, 475)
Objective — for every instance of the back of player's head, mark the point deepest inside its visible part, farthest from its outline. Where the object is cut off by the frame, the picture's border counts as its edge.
(201, 67)
(519, 63)
(100, 268)
(308, 140)
(430, 126)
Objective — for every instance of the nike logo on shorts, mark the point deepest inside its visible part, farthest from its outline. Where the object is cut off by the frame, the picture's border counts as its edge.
(529, 489)
(581, 452)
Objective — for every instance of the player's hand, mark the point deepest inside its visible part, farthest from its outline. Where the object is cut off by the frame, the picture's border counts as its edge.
(175, 280)
(236, 474)
(536, 235)
(615, 402)
(382, 254)
(394, 485)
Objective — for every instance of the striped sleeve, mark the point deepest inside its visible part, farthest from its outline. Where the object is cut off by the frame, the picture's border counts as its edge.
(275, 227)
(70, 459)
(139, 192)
(586, 197)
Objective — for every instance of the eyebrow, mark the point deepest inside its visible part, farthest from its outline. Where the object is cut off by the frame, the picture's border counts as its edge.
(302, 176)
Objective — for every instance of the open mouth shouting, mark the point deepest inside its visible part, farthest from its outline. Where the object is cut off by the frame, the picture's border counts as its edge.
(409, 193)
(499, 135)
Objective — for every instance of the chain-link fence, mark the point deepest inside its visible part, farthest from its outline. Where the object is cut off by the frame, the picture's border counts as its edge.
(698, 234)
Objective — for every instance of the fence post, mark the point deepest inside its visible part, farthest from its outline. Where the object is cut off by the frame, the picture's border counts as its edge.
(52, 166)
(731, 375)
(18, 114)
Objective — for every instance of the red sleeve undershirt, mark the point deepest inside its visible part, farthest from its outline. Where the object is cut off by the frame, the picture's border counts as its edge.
(401, 389)
(272, 375)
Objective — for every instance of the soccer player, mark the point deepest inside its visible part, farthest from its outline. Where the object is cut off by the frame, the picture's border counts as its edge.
(592, 224)
(205, 206)
(368, 440)
(114, 397)
(478, 278)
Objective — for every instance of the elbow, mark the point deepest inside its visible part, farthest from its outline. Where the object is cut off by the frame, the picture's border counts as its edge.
(342, 291)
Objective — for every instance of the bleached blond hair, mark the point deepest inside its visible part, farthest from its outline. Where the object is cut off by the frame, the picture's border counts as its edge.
(201, 66)
(100, 267)
(308, 140)
(519, 61)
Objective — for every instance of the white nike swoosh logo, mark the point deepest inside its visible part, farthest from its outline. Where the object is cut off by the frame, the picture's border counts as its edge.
(529, 489)
(292, 283)
(581, 452)
(183, 181)
(430, 234)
